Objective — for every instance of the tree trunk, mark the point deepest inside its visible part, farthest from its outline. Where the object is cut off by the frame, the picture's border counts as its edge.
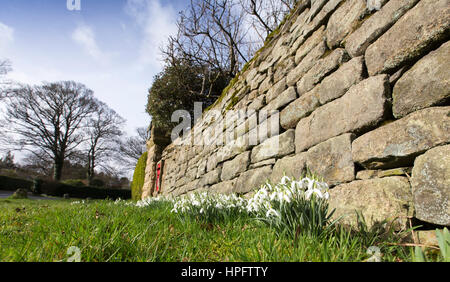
(90, 170)
(57, 169)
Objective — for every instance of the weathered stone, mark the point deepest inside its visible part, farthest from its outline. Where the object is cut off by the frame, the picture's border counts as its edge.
(424, 25)
(250, 123)
(321, 17)
(306, 64)
(150, 171)
(257, 103)
(212, 163)
(297, 37)
(281, 69)
(316, 6)
(190, 186)
(278, 146)
(292, 166)
(396, 76)
(201, 168)
(225, 187)
(376, 199)
(357, 43)
(366, 174)
(362, 107)
(211, 177)
(321, 69)
(301, 18)
(344, 21)
(256, 81)
(232, 168)
(283, 99)
(251, 75)
(431, 186)
(191, 174)
(332, 160)
(263, 163)
(276, 90)
(233, 148)
(268, 127)
(309, 45)
(336, 84)
(265, 65)
(300, 108)
(402, 171)
(426, 84)
(230, 119)
(427, 237)
(253, 95)
(279, 51)
(20, 194)
(265, 85)
(252, 179)
(398, 143)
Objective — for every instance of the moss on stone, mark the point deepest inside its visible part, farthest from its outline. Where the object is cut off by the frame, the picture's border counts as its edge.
(139, 177)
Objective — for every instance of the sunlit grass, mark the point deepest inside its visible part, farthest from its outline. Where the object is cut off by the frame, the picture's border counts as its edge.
(107, 232)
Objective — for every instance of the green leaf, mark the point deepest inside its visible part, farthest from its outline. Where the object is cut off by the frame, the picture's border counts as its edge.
(419, 255)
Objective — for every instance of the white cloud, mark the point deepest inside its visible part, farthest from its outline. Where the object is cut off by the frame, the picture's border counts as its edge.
(157, 22)
(85, 37)
(6, 36)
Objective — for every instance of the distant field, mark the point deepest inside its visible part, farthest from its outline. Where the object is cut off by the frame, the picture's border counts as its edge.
(102, 231)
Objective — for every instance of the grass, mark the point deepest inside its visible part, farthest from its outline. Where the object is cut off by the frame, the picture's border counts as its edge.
(43, 231)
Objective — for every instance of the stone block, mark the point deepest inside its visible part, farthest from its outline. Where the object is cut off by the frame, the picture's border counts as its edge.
(398, 143)
(426, 84)
(431, 186)
(426, 24)
(363, 106)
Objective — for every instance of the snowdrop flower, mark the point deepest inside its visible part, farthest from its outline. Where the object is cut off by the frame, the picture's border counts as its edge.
(286, 198)
(285, 180)
(313, 191)
(272, 213)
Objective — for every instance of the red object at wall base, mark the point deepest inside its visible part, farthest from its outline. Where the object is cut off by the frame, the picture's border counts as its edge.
(158, 174)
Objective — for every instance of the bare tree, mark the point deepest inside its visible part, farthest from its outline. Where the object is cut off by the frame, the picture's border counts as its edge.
(47, 119)
(5, 67)
(266, 15)
(38, 164)
(132, 148)
(8, 161)
(103, 131)
(211, 34)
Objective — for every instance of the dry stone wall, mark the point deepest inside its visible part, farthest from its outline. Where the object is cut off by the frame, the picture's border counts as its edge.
(356, 91)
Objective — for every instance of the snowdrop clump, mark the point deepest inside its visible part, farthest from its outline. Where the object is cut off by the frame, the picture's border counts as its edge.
(82, 202)
(290, 205)
(285, 192)
(121, 202)
(150, 201)
(210, 207)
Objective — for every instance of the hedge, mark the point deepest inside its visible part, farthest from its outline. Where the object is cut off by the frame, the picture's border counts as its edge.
(58, 189)
(12, 184)
(139, 177)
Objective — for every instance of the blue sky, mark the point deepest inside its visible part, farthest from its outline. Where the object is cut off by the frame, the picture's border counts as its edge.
(111, 46)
